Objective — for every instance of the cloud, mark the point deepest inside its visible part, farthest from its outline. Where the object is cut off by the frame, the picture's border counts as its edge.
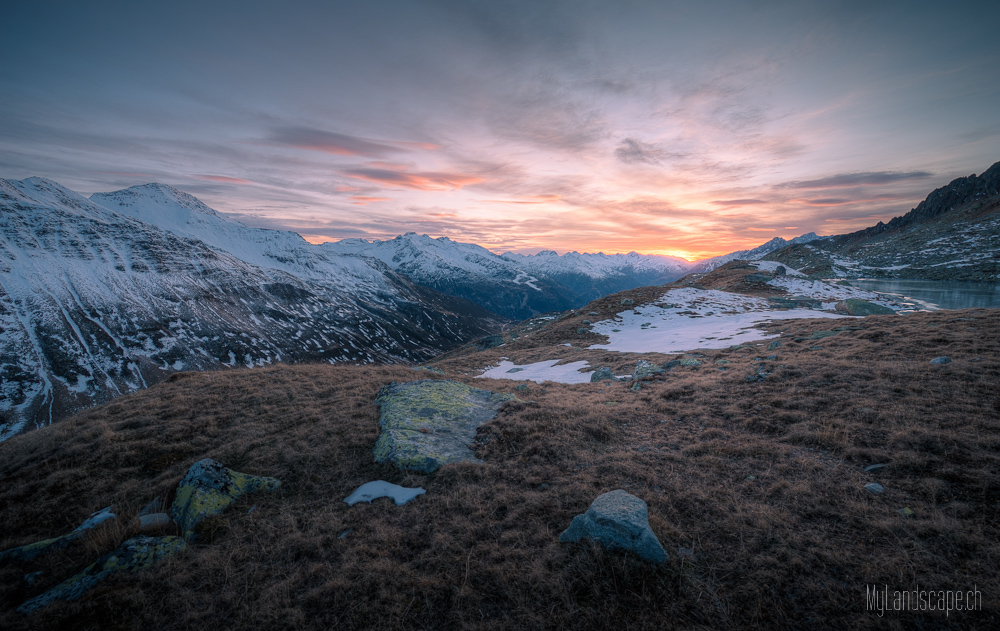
(631, 151)
(331, 142)
(870, 178)
(224, 179)
(362, 200)
(738, 202)
(418, 180)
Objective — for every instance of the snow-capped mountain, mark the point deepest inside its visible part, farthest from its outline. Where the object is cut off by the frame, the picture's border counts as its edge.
(757, 253)
(594, 275)
(512, 285)
(103, 296)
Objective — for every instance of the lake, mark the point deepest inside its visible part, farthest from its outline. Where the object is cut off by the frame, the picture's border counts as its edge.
(936, 294)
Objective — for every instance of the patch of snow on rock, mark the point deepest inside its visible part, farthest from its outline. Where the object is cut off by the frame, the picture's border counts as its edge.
(380, 488)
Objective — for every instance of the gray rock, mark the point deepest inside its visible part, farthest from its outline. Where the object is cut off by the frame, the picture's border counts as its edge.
(875, 468)
(602, 374)
(618, 520)
(516, 370)
(645, 370)
(208, 489)
(759, 375)
(855, 307)
(581, 331)
(875, 488)
(135, 554)
(593, 313)
(628, 301)
(756, 279)
(521, 387)
(425, 424)
(944, 359)
(690, 362)
(773, 345)
(780, 270)
(587, 322)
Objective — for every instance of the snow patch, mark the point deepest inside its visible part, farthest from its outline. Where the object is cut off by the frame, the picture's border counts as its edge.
(380, 488)
(539, 372)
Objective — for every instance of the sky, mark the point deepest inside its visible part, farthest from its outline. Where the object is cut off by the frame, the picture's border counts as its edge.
(683, 128)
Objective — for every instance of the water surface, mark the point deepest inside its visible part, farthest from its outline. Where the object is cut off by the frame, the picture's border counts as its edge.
(936, 294)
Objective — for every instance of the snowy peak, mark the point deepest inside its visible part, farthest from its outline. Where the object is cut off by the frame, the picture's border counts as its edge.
(160, 205)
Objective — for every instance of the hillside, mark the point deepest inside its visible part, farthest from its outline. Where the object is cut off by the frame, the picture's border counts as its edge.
(954, 234)
(751, 457)
(95, 302)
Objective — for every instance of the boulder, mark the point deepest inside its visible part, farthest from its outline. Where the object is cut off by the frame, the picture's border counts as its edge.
(855, 307)
(618, 520)
(780, 271)
(135, 554)
(645, 370)
(425, 424)
(602, 374)
(210, 488)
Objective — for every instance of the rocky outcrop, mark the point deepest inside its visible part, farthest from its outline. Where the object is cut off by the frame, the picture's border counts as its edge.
(426, 424)
(855, 307)
(32, 550)
(208, 489)
(618, 520)
(135, 554)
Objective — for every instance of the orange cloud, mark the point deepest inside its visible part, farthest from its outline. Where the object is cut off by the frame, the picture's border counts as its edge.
(362, 199)
(421, 181)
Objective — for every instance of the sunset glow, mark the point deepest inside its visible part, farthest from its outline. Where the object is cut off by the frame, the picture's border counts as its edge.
(657, 128)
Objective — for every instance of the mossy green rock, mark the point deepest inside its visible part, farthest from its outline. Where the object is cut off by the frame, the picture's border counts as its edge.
(208, 489)
(135, 554)
(645, 370)
(855, 307)
(425, 424)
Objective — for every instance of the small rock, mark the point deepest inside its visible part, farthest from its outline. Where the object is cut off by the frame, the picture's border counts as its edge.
(673, 363)
(944, 359)
(636, 386)
(875, 488)
(628, 301)
(587, 322)
(875, 468)
(521, 387)
(154, 521)
(773, 345)
(617, 520)
(344, 534)
(593, 313)
(581, 331)
(690, 362)
(906, 512)
(602, 374)
(155, 506)
(645, 370)
(780, 270)
(516, 370)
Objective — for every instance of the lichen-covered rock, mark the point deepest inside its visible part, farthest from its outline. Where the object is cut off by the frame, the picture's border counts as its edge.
(645, 370)
(425, 424)
(208, 489)
(602, 374)
(135, 554)
(32, 550)
(618, 520)
(855, 307)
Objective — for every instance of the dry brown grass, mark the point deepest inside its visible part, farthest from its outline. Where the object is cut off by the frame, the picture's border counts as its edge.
(792, 546)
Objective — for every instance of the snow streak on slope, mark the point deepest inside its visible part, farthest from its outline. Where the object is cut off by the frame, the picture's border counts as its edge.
(94, 303)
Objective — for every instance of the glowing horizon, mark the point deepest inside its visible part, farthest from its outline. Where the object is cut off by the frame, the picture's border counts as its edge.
(655, 128)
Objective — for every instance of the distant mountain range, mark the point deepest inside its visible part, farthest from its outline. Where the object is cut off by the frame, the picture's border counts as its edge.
(515, 285)
(105, 295)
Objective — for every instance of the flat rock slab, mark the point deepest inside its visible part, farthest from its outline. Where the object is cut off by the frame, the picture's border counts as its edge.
(428, 423)
(208, 489)
(618, 520)
(135, 554)
(32, 550)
